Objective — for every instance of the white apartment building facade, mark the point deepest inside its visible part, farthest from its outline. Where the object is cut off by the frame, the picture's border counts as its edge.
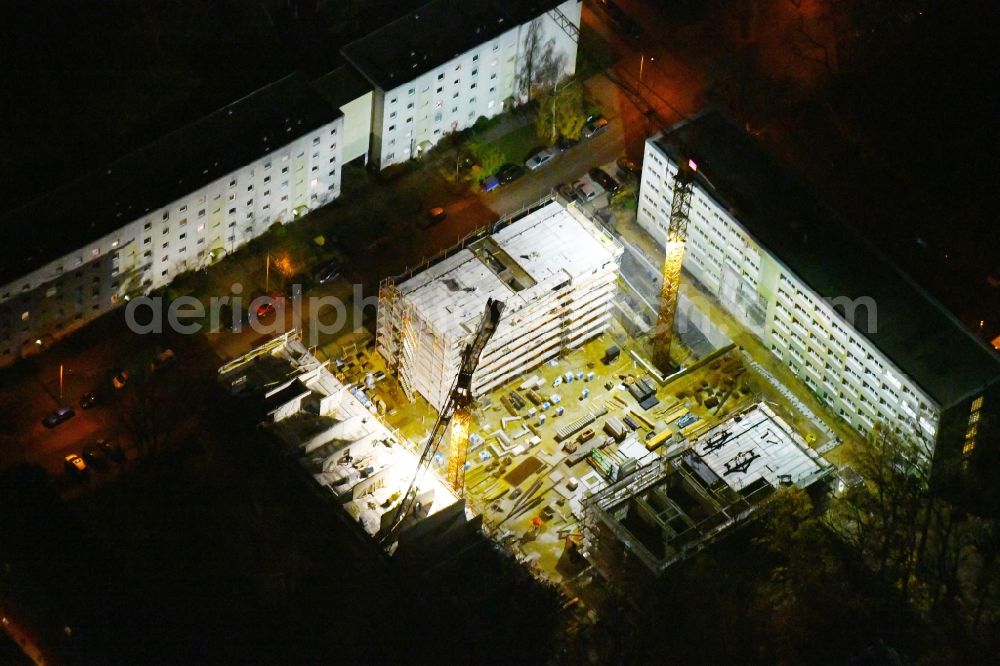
(554, 270)
(172, 207)
(863, 338)
(440, 68)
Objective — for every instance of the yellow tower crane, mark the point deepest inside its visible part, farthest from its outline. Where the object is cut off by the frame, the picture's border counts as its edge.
(455, 412)
(680, 209)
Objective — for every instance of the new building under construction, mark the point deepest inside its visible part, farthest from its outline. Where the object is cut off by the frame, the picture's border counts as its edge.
(674, 506)
(554, 270)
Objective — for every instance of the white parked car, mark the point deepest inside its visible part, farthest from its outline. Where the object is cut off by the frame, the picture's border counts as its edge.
(540, 159)
(585, 190)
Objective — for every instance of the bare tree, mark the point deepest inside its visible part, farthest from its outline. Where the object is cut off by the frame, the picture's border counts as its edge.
(541, 67)
(154, 406)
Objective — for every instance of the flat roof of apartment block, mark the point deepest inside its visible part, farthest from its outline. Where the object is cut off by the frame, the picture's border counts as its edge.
(434, 34)
(518, 265)
(912, 328)
(181, 162)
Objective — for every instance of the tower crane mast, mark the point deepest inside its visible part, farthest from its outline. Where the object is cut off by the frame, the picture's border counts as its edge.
(680, 209)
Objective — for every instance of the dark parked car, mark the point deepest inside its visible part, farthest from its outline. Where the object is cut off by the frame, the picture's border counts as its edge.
(627, 167)
(327, 273)
(604, 179)
(89, 400)
(432, 217)
(508, 173)
(95, 457)
(565, 143)
(111, 450)
(595, 127)
(63, 413)
(567, 192)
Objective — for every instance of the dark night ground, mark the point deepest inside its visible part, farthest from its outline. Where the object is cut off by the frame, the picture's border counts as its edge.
(223, 557)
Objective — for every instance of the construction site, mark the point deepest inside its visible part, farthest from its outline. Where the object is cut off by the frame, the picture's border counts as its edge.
(504, 385)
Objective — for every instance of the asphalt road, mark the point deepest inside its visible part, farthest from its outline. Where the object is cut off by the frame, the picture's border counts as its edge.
(565, 168)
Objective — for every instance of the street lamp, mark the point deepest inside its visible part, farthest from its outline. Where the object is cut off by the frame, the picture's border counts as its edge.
(642, 61)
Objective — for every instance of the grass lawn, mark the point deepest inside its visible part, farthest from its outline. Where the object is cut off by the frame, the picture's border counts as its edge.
(517, 145)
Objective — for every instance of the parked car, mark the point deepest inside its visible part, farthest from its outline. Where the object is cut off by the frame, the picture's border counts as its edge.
(540, 159)
(111, 450)
(567, 192)
(508, 173)
(489, 184)
(265, 309)
(604, 179)
(268, 307)
(162, 360)
(75, 464)
(94, 456)
(62, 413)
(627, 167)
(120, 379)
(89, 399)
(565, 143)
(585, 191)
(595, 127)
(432, 217)
(378, 244)
(328, 273)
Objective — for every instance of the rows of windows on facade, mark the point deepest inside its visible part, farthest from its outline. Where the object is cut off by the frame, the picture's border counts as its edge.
(185, 235)
(431, 106)
(834, 362)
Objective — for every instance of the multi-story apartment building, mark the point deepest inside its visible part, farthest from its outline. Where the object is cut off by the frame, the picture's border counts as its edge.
(859, 333)
(556, 273)
(173, 206)
(350, 92)
(444, 65)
